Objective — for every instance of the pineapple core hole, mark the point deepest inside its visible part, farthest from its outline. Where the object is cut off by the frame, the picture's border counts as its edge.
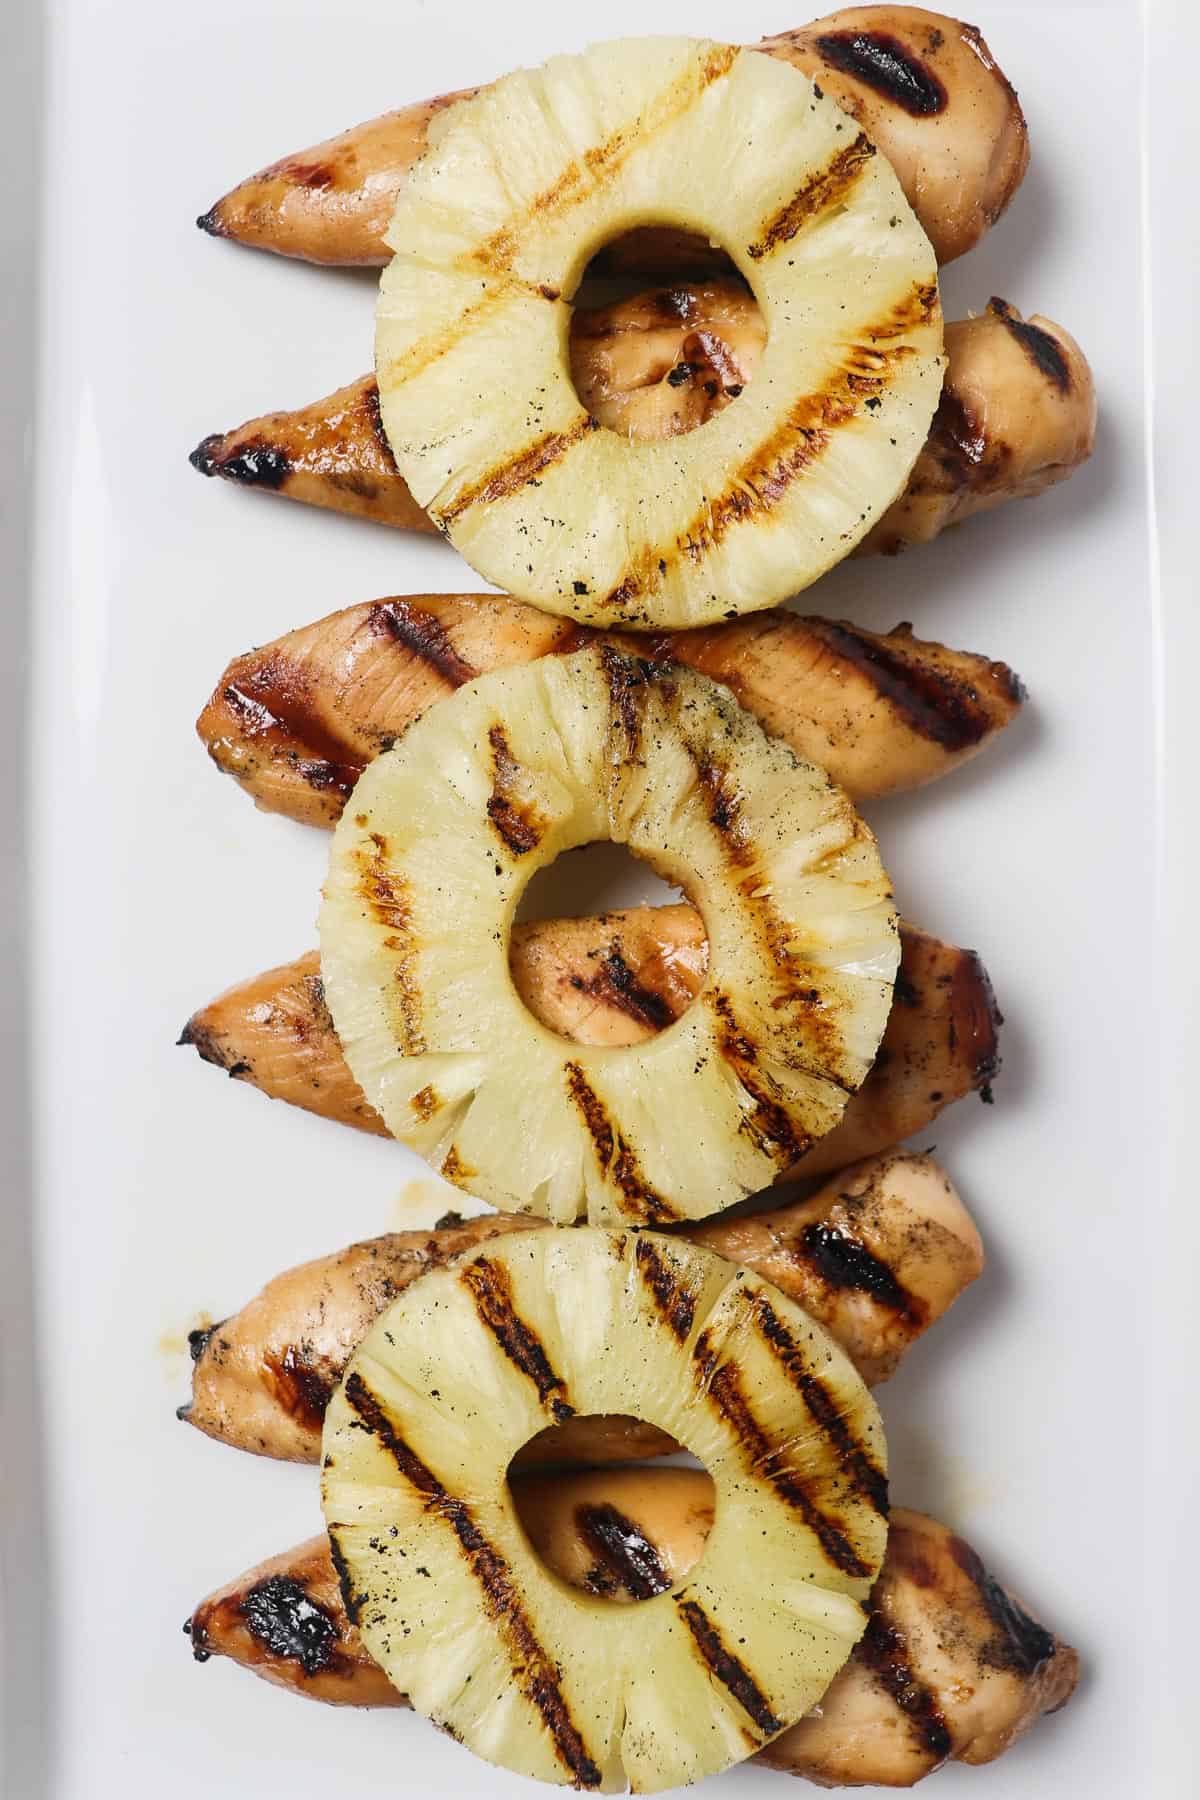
(609, 970)
(655, 362)
(624, 1534)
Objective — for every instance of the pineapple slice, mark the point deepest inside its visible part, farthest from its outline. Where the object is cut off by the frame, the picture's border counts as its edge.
(492, 233)
(441, 1580)
(435, 847)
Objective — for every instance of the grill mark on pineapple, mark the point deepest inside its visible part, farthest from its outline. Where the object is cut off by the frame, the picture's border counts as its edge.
(426, 1103)
(518, 824)
(772, 1119)
(722, 1385)
(625, 1556)
(868, 1479)
(455, 1169)
(601, 161)
(935, 702)
(675, 1302)
(728, 1669)
(823, 191)
(495, 255)
(386, 895)
(615, 1157)
(883, 1649)
(490, 1288)
(534, 1671)
(770, 1123)
(765, 478)
(423, 634)
(507, 478)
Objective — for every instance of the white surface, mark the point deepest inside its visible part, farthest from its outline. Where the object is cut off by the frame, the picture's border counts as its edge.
(1038, 1417)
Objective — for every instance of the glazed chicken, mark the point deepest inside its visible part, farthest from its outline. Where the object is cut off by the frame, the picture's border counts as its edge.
(951, 1667)
(616, 979)
(1017, 413)
(876, 1256)
(298, 720)
(924, 87)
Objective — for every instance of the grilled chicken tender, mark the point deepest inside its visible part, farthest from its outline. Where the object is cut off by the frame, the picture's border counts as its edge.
(951, 1667)
(615, 979)
(297, 721)
(876, 1256)
(1017, 413)
(924, 87)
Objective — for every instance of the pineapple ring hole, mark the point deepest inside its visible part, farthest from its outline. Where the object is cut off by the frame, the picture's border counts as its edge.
(653, 362)
(618, 1541)
(636, 983)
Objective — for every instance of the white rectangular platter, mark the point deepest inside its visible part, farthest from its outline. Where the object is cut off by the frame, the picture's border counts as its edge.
(1051, 1417)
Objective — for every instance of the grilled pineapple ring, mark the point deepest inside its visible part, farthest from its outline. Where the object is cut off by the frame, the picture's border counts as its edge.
(432, 854)
(491, 236)
(440, 1579)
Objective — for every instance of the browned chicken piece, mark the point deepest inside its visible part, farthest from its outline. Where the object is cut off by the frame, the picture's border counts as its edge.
(923, 86)
(1017, 414)
(332, 454)
(931, 95)
(877, 1255)
(298, 720)
(664, 362)
(951, 1667)
(616, 979)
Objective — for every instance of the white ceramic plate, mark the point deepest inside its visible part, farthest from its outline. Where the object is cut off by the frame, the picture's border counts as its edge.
(1051, 1416)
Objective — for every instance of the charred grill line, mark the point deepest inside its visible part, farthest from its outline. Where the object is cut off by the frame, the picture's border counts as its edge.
(370, 401)
(843, 1262)
(728, 1669)
(425, 636)
(883, 1649)
(626, 1557)
(300, 1389)
(628, 677)
(532, 1669)
(531, 463)
(615, 984)
(931, 701)
(518, 826)
(489, 1286)
(601, 161)
(352, 1602)
(762, 481)
(385, 893)
(613, 1154)
(1038, 344)
(675, 1304)
(722, 1384)
(821, 192)
(275, 706)
(1021, 1644)
(879, 60)
(869, 1481)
